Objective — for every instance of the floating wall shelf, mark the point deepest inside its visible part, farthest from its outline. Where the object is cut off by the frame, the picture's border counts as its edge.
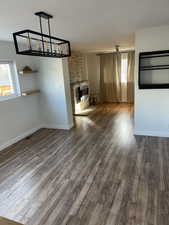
(27, 93)
(21, 72)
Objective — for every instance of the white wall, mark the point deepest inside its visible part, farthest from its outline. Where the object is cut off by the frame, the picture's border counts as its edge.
(93, 68)
(151, 106)
(55, 93)
(20, 116)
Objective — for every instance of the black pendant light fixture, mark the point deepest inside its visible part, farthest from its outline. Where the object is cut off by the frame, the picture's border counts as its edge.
(32, 43)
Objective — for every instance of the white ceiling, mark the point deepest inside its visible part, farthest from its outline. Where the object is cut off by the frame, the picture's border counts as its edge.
(90, 25)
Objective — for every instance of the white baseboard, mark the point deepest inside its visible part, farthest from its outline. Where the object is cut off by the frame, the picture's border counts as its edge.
(18, 138)
(58, 126)
(24, 135)
(151, 133)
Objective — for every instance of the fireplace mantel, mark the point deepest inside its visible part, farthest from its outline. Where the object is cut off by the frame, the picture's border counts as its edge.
(78, 82)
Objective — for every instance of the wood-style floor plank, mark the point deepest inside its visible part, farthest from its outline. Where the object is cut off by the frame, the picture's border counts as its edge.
(98, 173)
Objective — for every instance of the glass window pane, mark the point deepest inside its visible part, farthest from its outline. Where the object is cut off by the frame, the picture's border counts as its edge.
(6, 86)
(124, 68)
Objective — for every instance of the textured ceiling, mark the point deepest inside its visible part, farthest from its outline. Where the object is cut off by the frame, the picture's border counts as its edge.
(90, 25)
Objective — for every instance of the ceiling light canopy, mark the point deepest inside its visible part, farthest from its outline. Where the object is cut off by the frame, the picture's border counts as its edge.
(32, 43)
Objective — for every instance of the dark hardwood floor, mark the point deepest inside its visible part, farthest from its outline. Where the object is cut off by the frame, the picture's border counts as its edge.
(96, 174)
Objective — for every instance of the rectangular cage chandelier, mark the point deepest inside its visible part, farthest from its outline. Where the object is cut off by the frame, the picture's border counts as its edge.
(32, 43)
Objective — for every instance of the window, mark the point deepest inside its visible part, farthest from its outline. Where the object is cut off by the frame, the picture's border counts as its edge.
(9, 84)
(124, 67)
